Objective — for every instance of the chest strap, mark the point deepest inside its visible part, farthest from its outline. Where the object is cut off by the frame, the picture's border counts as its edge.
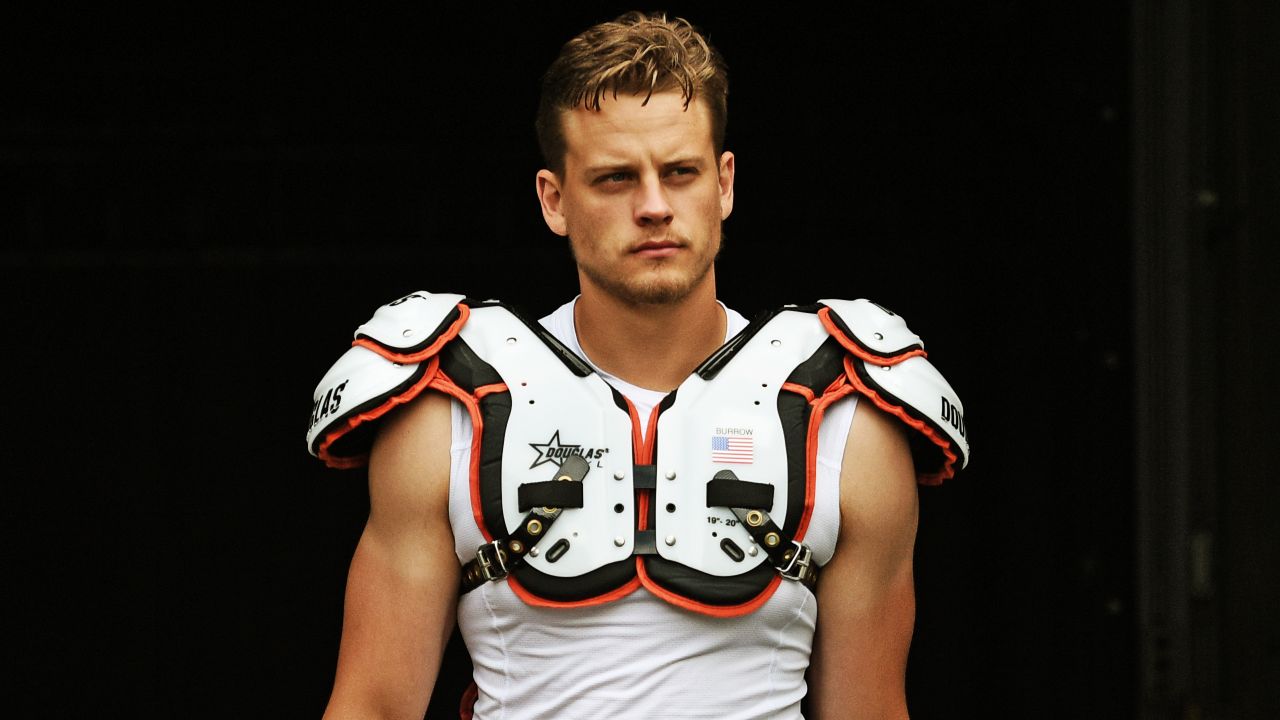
(749, 502)
(544, 501)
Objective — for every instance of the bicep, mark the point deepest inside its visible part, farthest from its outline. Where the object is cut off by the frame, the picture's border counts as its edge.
(866, 596)
(402, 586)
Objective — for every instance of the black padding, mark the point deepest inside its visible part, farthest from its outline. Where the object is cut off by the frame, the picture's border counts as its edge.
(707, 588)
(465, 368)
(645, 477)
(495, 410)
(819, 369)
(583, 587)
(550, 493)
(732, 492)
(824, 366)
(794, 413)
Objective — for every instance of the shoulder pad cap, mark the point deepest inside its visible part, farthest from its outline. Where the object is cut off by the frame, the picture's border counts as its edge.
(877, 334)
(917, 393)
(361, 386)
(889, 366)
(411, 324)
(389, 364)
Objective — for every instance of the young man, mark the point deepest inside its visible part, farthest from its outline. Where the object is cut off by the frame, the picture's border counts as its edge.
(648, 547)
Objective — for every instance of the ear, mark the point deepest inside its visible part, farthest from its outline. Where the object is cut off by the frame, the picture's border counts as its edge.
(726, 184)
(551, 199)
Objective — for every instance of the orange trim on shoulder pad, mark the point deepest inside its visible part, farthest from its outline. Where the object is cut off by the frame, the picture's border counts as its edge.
(833, 393)
(801, 390)
(943, 443)
(450, 333)
(490, 389)
(355, 461)
(852, 345)
(530, 599)
(445, 384)
(724, 611)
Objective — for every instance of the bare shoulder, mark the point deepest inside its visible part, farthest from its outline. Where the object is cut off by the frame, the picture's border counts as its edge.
(409, 463)
(878, 496)
(866, 596)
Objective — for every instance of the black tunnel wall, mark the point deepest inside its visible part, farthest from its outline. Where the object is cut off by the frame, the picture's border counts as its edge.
(198, 208)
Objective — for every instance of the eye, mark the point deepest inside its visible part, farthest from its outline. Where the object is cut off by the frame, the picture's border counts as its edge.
(682, 172)
(613, 178)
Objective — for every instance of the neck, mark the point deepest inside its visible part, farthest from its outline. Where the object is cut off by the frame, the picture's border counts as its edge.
(652, 346)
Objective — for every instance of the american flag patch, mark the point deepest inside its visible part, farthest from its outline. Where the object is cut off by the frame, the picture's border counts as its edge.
(726, 449)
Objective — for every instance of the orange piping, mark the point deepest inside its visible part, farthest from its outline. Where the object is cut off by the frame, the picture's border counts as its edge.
(530, 599)
(833, 393)
(445, 384)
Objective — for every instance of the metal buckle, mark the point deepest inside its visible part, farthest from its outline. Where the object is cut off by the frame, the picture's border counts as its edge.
(800, 567)
(490, 559)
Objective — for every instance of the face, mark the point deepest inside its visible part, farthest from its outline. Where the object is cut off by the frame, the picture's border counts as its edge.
(641, 198)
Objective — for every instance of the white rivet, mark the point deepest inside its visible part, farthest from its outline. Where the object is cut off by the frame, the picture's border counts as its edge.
(408, 332)
(618, 476)
(396, 365)
(533, 551)
(619, 541)
(884, 368)
(671, 475)
(752, 551)
(776, 343)
(879, 336)
(671, 540)
(511, 341)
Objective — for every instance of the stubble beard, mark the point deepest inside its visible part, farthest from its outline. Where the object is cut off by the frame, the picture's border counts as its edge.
(648, 288)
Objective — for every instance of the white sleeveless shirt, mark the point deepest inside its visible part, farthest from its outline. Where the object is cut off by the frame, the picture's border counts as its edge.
(639, 656)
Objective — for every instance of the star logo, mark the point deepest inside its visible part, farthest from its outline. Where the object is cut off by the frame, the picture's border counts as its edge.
(552, 451)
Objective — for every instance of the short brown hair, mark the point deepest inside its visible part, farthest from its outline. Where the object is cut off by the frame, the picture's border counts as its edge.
(634, 54)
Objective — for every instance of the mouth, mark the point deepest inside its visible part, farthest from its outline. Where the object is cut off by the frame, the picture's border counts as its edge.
(656, 248)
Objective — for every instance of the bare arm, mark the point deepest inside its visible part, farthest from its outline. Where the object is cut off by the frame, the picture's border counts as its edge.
(402, 587)
(866, 594)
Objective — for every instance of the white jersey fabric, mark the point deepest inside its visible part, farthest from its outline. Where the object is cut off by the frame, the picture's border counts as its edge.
(639, 656)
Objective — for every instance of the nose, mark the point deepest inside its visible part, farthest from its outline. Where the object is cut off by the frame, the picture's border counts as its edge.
(652, 207)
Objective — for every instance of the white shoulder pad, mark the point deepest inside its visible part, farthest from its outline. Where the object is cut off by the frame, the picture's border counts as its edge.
(916, 386)
(360, 383)
(881, 333)
(409, 324)
(893, 371)
(387, 366)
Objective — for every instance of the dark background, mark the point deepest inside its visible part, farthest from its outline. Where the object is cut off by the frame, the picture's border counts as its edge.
(197, 208)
